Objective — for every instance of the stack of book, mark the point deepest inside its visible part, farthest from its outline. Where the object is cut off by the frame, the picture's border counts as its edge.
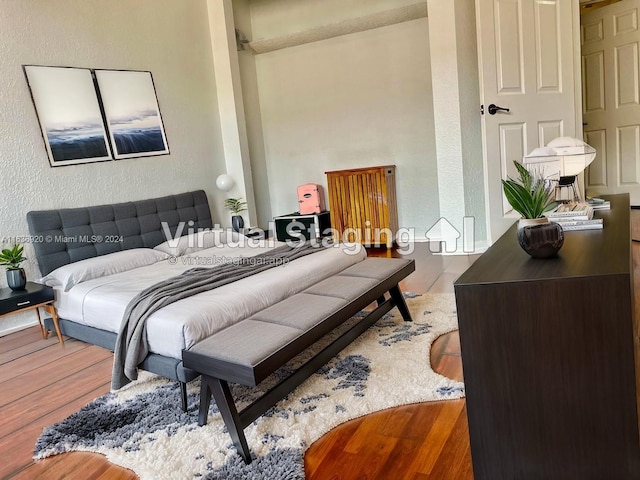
(575, 216)
(599, 203)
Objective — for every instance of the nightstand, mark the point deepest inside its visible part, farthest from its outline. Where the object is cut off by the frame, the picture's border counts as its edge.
(32, 297)
(296, 226)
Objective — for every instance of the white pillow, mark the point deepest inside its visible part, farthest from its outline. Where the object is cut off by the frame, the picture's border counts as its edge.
(196, 241)
(77, 272)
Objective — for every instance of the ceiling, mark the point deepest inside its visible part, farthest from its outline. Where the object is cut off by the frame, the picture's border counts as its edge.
(596, 3)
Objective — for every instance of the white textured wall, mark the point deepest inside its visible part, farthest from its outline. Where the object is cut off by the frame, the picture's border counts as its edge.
(473, 165)
(352, 101)
(448, 127)
(168, 37)
(457, 122)
(231, 104)
(253, 118)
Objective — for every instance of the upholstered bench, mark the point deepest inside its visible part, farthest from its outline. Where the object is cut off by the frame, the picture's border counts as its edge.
(251, 350)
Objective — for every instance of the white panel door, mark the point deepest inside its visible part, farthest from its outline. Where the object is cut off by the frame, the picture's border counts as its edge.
(526, 53)
(611, 97)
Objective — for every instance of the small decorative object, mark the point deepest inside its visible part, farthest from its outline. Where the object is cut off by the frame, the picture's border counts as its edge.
(235, 206)
(225, 182)
(531, 195)
(12, 258)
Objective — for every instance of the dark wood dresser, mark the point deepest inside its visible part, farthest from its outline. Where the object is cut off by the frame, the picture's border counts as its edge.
(548, 351)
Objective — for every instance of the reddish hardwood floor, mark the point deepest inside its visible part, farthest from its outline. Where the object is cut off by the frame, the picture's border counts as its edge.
(416, 441)
(420, 441)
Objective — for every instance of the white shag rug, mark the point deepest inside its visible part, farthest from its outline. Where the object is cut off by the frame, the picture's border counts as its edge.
(142, 427)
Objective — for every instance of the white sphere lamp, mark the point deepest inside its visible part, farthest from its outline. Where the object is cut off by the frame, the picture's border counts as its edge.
(224, 182)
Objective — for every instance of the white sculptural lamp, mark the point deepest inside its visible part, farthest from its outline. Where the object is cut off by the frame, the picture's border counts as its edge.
(562, 160)
(564, 156)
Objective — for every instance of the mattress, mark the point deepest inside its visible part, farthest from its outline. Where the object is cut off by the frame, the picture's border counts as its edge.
(101, 302)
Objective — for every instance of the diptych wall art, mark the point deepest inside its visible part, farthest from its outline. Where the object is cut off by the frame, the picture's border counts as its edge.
(94, 115)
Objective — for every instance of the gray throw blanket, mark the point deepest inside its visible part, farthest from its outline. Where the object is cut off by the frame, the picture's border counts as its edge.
(131, 345)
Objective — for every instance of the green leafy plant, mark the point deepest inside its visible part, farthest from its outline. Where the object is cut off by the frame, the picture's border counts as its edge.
(531, 195)
(12, 257)
(235, 205)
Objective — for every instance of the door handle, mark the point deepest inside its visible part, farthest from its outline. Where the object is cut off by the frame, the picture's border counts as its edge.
(493, 109)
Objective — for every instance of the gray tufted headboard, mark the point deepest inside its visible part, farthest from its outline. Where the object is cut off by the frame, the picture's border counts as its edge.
(72, 234)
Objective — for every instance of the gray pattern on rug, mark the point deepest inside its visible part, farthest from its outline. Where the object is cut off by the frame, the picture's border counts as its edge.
(108, 423)
(285, 464)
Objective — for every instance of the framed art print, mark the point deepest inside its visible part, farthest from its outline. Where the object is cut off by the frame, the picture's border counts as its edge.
(132, 114)
(69, 114)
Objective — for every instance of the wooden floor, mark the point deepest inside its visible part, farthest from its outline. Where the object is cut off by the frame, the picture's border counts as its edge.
(420, 441)
(42, 383)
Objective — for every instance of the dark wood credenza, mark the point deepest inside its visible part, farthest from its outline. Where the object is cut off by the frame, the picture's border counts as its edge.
(548, 351)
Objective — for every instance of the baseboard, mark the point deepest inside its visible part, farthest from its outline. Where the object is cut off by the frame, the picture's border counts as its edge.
(17, 328)
(478, 248)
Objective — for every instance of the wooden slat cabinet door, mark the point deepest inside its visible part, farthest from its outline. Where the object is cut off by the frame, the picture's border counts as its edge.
(363, 205)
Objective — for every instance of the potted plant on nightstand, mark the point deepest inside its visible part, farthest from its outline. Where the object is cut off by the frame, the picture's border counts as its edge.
(12, 258)
(235, 206)
(531, 195)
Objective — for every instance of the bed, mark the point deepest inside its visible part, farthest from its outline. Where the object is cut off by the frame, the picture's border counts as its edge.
(98, 258)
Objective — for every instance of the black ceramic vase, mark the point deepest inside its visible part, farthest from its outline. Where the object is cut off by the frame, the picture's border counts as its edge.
(237, 222)
(16, 279)
(542, 240)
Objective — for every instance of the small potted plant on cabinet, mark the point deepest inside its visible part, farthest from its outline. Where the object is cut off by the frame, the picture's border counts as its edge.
(235, 206)
(532, 195)
(12, 258)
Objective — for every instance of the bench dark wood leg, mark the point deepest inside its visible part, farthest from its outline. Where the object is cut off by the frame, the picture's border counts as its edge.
(381, 299)
(183, 395)
(398, 299)
(205, 401)
(226, 405)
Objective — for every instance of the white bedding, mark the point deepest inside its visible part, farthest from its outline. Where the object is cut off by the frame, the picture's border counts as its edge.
(101, 302)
